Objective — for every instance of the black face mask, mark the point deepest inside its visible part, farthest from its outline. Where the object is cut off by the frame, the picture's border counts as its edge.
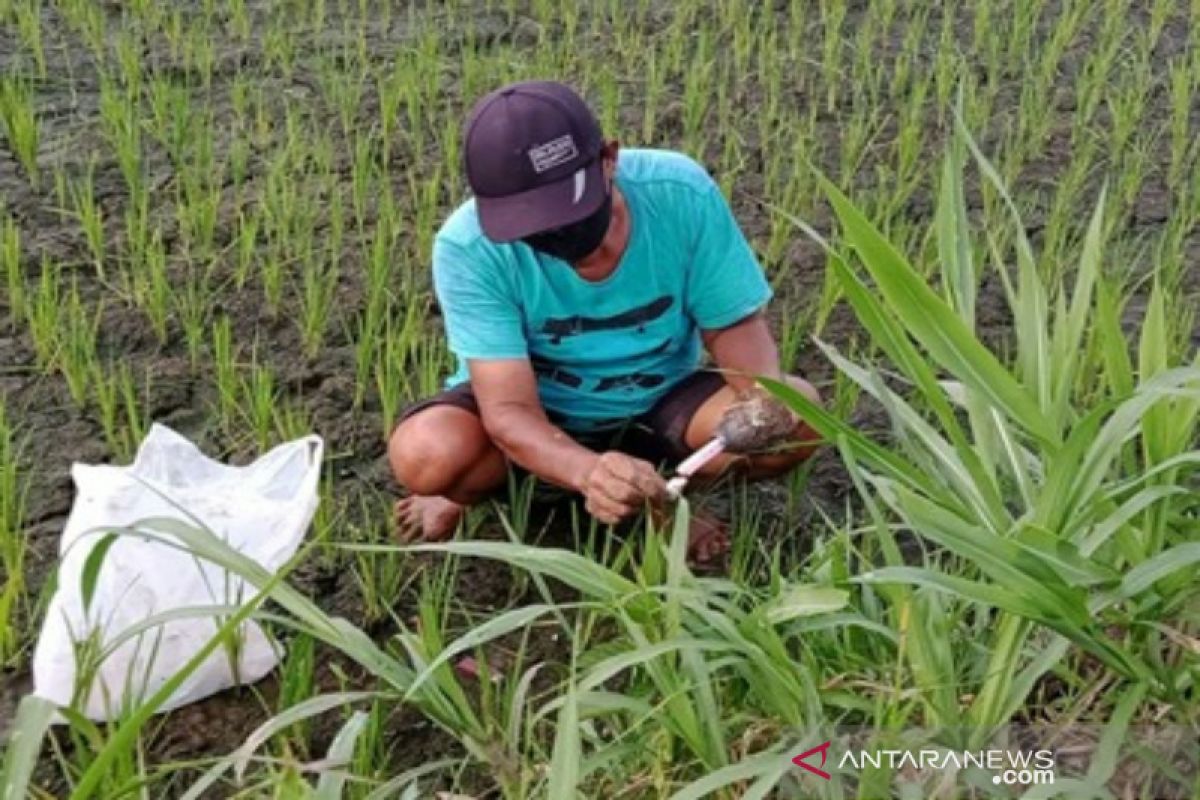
(575, 242)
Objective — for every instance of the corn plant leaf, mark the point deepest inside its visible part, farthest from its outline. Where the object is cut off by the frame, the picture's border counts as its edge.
(33, 718)
(804, 601)
(1000, 558)
(953, 239)
(770, 765)
(1069, 331)
(509, 621)
(1146, 574)
(305, 709)
(970, 487)
(333, 780)
(1104, 761)
(934, 324)
(593, 580)
(1114, 347)
(568, 751)
(974, 591)
(1067, 561)
(90, 573)
(833, 429)
(890, 337)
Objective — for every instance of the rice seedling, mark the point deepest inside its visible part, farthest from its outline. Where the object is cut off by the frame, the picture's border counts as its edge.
(21, 124)
(43, 314)
(14, 277)
(13, 544)
(77, 336)
(259, 396)
(122, 130)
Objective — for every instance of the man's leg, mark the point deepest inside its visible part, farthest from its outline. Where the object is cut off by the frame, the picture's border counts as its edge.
(442, 455)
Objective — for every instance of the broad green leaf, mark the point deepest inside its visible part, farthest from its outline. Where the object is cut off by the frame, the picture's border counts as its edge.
(593, 580)
(1104, 761)
(568, 752)
(303, 710)
(91, 569)
(770, 765)
(1064, 558)
(804, 600)
(1146, 574)
(33, 718)
(509, 621)
(831, 428)
(934, 324)
(341, 750)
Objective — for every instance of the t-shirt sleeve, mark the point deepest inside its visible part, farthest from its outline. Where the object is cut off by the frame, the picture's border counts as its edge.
(482, 320)
(725, 281)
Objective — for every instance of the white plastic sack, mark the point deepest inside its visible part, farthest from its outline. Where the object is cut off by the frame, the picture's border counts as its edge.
(262, 509)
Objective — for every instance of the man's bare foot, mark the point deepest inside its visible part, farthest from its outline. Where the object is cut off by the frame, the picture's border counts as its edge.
(708, 540)
(426, 519)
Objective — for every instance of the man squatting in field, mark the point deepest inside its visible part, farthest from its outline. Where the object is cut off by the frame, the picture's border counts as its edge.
(577, 288)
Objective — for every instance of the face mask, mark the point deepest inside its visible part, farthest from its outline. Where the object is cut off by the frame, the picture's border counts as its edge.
(575, 242)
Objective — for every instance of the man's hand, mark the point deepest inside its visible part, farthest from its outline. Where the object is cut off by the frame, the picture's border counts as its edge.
(618, 486)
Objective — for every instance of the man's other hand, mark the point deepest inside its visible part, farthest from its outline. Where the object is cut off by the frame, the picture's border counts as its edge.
(619, 485)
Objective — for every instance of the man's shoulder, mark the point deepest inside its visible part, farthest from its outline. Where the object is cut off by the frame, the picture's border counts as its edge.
(462, 228)
(669, 168)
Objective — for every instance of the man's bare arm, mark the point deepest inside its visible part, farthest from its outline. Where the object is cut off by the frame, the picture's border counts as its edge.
(506, 390)
(614, 484)
(745, 350)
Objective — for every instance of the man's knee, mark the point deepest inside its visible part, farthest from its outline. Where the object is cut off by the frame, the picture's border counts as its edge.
(431, 451)
(799, 447)
(803, 387)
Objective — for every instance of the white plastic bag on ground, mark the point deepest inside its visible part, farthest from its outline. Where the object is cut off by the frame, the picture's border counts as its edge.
(262, 509)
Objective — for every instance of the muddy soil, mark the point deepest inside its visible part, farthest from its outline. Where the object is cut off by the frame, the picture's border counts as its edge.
(60, 434)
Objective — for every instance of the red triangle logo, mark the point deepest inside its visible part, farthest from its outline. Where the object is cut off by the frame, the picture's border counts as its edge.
(823, 749)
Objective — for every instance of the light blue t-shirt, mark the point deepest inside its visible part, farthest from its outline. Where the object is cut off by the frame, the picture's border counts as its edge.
(604, 351)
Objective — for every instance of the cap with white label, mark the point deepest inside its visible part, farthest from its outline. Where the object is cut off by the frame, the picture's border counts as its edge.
(532, 153)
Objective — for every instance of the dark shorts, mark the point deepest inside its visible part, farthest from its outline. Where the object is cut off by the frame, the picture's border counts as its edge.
(657, 435)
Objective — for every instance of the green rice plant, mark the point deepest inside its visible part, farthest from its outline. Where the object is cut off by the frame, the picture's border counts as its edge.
(43, 310)
(171, 115)
(154, 292)
(29, 29)
(247, 246)
(121, 127)
(1182, 86)
(20, 120)
(319, 282)
(1026, 493)
(192, 302)
(13, 542)
(14, 277)
(119, 407)
(85, 208)
(77, 335)
(297, 684)
(225, 374)
(259, 397)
